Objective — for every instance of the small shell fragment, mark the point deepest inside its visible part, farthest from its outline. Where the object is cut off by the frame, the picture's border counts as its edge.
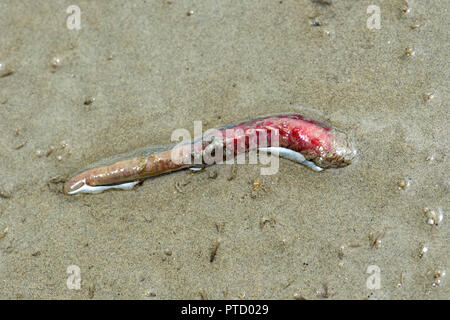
(434, 217)
(5, 70)
(438, 277)
(56, 62)
(88, 101)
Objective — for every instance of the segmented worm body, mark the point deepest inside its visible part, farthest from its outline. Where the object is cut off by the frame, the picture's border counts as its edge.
(289, 135)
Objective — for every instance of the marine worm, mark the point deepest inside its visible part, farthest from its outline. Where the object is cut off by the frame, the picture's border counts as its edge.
(298, 138)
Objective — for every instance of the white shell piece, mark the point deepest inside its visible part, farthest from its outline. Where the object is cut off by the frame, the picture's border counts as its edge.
(291, 155)
(97, 189)
(195, 169)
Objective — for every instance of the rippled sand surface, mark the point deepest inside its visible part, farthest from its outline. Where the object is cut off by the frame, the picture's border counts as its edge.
(137, 70)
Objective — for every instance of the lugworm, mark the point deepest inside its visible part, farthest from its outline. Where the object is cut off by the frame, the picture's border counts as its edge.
(300, 139)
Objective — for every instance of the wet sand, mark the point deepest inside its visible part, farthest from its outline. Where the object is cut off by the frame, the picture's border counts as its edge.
(137, 70)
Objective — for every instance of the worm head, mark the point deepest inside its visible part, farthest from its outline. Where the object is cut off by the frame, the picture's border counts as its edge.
(339, 151)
